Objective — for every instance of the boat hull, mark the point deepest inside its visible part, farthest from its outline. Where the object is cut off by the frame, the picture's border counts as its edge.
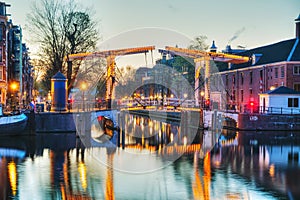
(11, 125)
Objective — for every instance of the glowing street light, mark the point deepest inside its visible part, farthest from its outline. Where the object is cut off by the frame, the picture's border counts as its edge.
(83, 86)
(14, 86)
(202, 96)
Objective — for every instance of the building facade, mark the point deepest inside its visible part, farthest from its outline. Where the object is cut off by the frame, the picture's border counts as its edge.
(270, 66)
(3, 51)
(16, 81)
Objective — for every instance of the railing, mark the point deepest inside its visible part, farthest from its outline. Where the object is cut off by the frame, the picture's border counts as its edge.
(279, 110)
(133, 102)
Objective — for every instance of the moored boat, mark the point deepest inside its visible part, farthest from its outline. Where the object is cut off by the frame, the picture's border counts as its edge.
(12, 124)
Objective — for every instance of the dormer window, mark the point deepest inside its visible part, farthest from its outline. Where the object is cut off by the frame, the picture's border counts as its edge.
(255, 58)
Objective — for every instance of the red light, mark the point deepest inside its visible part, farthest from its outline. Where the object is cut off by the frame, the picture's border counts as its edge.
(100, 118)
(207, 102)
(251, 103)
(70, 100)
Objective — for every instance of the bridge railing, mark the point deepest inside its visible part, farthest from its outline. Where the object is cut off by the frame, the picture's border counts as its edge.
(148, 101)
(279, 110)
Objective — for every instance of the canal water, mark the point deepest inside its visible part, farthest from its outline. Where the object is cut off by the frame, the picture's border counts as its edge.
(241, 165)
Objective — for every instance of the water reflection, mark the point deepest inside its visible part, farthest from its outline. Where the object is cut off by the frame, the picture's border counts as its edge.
(147, 131)
(268, 159)
(244, 165)
(12, 171)
(201, 185)
(109, 183)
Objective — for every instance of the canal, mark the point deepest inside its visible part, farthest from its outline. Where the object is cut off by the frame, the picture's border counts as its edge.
(162, 164)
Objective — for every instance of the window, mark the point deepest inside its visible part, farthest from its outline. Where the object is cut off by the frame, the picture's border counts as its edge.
(296, 70)
(276, 72)
(1, 32)
(282, 72)
(242, 95)
(226, 79)
(293, 102)
(261, 74)
(1, 57)
(251, 77)
(242, 78)
(297, 87)
(227, 96)
(250, 91)
(233, 79)
(1, 73)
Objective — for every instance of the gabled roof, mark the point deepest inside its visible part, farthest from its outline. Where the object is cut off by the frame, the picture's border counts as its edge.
(282, 90)
(287, 50)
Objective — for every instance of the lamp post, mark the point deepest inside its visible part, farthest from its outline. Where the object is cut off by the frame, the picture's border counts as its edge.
(202, 96)
(83, 87)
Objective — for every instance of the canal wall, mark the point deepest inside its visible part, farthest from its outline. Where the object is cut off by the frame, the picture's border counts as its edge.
(47, 122)
(268, 122)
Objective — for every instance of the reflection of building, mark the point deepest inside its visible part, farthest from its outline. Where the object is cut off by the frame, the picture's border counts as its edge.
(273, 65)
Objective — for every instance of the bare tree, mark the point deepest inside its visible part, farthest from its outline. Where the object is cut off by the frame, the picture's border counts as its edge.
(61, 28)
(199, 43)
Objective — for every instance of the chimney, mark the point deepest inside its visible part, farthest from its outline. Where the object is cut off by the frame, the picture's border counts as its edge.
(298, 27)
(228, 49)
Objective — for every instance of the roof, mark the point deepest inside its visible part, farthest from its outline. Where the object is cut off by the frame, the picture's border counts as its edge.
(297, 19)
(282, 90)
(59, 76)
(287, 50)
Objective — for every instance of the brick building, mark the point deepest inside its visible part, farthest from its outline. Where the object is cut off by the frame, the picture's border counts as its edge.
(3, 61)
(271, 66)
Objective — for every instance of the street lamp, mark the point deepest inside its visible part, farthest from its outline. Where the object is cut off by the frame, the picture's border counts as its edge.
(14, 88)
(83, 87)
(202, 96)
